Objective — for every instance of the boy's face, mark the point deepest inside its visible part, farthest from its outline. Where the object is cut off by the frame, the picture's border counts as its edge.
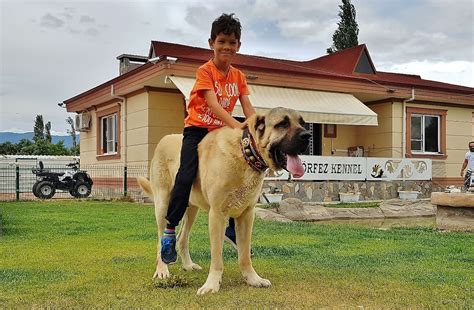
(225, 48)
(471, 147)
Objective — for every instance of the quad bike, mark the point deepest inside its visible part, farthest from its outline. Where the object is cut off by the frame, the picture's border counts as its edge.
(77, 182)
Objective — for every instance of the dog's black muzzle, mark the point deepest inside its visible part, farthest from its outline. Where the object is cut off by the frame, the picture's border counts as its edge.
(297, 144)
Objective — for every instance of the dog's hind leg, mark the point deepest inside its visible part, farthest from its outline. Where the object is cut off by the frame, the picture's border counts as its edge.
(161, 206)
(183, 239)
(244, 225)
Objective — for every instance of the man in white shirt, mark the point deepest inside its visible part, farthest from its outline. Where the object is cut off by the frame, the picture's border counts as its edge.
(468, 162)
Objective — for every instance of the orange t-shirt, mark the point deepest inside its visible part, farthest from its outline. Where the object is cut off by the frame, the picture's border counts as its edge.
(228, 89)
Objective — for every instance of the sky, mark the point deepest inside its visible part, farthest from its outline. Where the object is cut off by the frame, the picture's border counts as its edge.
(51, 51)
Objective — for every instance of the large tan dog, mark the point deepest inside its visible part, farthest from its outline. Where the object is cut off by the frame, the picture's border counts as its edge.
(228, 183)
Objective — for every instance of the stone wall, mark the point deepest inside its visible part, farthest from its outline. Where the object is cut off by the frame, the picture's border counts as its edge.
(329, 190)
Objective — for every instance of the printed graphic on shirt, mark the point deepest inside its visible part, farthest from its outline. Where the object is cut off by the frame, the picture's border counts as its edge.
(224, 97)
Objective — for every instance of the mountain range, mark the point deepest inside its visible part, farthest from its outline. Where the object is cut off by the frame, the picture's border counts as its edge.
(15, 137)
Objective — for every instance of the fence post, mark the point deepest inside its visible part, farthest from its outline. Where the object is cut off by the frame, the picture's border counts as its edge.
(17, 182)
(125, 181)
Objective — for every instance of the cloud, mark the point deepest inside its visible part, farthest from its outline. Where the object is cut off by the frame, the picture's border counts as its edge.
(91, 32)
(454, 72)
(67, 16)
(86, 19)
(431, 38)
(74, 31)
(430, 30)
(50, 21)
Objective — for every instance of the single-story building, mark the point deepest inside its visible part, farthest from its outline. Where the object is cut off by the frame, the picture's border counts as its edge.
(352, 108)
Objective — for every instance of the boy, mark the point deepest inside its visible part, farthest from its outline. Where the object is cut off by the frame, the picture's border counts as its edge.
(213, 97)
(468, 162)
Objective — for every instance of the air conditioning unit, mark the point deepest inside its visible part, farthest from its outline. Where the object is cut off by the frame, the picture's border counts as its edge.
(83, 122)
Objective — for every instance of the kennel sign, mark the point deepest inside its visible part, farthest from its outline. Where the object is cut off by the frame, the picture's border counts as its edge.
(398, 169)
(329, 168)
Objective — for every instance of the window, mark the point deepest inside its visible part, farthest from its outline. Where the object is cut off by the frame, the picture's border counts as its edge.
(330, 131)
(426, 132)
(109, 134)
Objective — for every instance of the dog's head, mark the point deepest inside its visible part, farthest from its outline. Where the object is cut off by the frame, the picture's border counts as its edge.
(280, 138)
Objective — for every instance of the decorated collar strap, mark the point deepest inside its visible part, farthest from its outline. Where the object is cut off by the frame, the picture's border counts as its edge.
(250, 153)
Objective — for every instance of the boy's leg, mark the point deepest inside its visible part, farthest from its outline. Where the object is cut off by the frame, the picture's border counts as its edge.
(179, 200)
(230, 233)
(467, 179)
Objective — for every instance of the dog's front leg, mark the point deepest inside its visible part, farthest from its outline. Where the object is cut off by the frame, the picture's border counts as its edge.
(216, 237)
(244, 226)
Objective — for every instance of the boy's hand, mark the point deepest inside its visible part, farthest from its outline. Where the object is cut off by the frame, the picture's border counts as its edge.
(242, 125)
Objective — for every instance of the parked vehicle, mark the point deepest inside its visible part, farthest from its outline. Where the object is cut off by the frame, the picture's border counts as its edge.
(77, 182)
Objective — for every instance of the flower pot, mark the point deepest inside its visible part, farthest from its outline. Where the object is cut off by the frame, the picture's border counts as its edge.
(408, 195)
(349, 197)
(271, 198)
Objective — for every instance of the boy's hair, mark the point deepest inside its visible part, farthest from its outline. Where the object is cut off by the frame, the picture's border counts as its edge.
(226, 24)
(470, 143)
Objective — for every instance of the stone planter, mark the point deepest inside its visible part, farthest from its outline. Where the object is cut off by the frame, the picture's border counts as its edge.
(455, 211)
(408, 195)
(349, 197)
(272, 198)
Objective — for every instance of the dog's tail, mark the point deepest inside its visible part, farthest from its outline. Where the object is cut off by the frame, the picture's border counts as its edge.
(146, 186)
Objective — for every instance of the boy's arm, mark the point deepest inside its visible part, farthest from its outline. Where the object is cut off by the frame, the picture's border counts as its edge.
(219, 111)
(246, 106)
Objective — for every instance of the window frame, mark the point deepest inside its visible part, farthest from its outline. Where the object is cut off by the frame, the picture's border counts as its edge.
(100, 116)
(113, 140)
(441, 114)
(330, 130)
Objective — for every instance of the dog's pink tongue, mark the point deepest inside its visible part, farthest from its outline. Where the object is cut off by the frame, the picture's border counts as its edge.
(294, 165)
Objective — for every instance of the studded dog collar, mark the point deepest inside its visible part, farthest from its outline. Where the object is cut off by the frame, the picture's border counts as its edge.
(250, 153)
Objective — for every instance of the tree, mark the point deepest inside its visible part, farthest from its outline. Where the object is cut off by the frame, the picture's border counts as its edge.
(346, 35)
(47, 132)
(8, 148)
(58, 149)
(25, 147)
(38, 128)
(72, 131)
(75, 147)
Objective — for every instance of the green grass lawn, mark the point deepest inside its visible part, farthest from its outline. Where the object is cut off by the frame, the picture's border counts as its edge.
(102, 254)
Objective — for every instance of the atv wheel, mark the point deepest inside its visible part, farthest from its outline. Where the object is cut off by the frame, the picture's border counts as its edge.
(45, 190)
(82, 189)
(72, 192)
(35, 188)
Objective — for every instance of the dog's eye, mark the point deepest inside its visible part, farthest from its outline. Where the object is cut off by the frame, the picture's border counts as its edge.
(283, 124)
(302, 122)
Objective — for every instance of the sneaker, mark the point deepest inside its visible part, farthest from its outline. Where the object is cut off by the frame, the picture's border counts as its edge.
(230, 237)
(168, 249)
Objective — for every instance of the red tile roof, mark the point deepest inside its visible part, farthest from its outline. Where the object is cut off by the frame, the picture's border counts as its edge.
(343, 62)
(339, 64)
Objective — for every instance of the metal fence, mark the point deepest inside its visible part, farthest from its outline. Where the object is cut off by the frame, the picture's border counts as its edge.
(110, 181)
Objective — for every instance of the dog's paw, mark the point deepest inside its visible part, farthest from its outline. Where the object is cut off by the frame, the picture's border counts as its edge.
(257, 281)
(191, 267)
(161, 273)
(209, 288)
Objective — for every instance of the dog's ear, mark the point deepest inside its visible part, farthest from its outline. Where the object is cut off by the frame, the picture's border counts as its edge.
(260, 122)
